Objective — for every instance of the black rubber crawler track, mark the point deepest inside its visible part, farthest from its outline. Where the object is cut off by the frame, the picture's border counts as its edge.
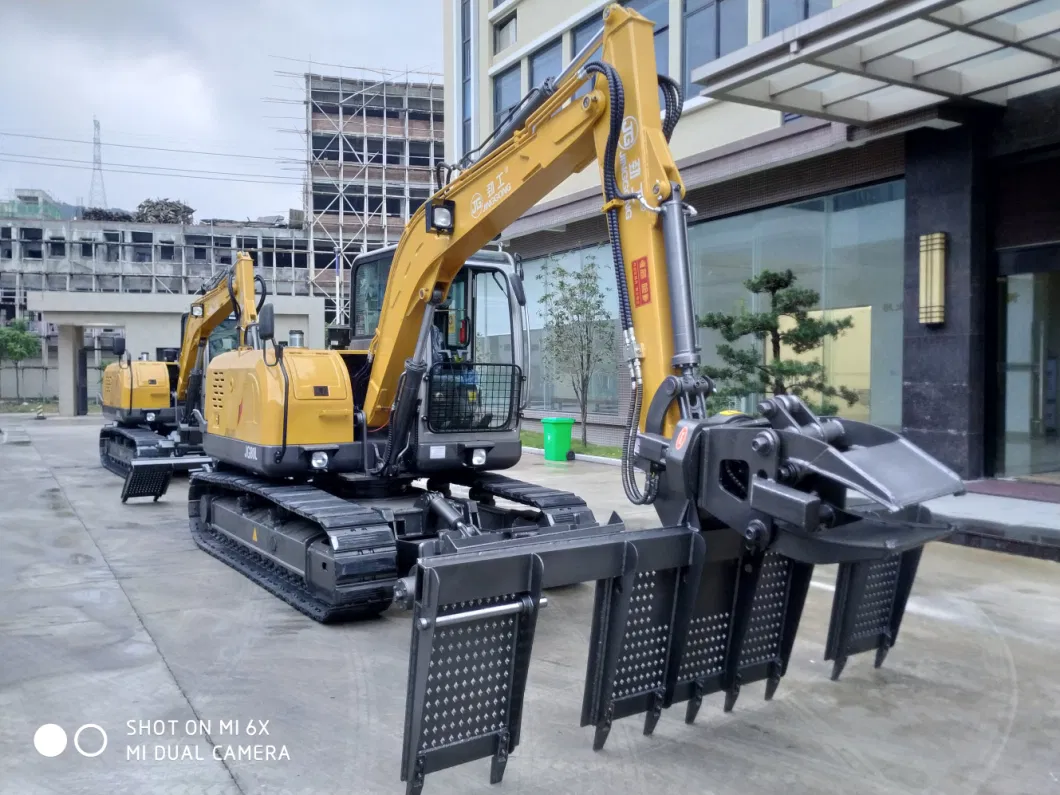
(560, 506)
(328, 511)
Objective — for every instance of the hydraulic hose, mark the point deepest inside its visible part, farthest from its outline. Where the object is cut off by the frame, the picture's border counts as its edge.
(236, 310)
(674, 100)
(617, 110)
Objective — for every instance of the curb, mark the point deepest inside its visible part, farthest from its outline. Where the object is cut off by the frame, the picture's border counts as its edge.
(1042, 543)
(592, 459)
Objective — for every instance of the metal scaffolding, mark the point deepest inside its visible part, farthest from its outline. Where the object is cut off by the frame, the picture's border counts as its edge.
(371, 144)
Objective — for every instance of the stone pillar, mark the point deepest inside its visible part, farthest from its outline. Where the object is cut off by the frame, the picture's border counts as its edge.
(943, 396)
(71, 338)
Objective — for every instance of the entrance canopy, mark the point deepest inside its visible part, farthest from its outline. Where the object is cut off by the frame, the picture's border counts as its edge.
(866, 61)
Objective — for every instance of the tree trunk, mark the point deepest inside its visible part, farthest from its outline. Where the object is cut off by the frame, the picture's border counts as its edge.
(18, 387)
(778, 383)
(586, 378)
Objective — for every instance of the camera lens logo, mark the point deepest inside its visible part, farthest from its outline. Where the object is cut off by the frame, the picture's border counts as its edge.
(50, 740)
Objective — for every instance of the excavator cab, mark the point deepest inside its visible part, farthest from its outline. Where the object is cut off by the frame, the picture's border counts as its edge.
(475, 388)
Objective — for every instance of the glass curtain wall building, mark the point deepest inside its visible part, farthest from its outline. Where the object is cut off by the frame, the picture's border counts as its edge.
(848, 247)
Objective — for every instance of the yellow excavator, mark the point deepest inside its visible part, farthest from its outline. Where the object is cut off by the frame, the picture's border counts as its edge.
(348, 481)
(151, 403)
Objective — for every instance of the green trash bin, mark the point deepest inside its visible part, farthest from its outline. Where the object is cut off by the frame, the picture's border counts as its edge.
(557, 437)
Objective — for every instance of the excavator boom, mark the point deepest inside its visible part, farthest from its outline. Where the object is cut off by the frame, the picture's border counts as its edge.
(231, 290)
(561, 136)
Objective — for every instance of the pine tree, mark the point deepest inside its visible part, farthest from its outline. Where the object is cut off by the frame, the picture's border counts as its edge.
(744, 370)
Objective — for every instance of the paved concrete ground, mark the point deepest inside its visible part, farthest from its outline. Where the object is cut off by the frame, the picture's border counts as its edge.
(110, 614)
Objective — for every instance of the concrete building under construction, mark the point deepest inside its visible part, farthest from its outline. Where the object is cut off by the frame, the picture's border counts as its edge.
(372, 144)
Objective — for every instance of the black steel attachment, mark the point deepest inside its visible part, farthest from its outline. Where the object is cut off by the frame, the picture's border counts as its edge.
(709, 603)
(870, 601)
(147, 479)
(145, 460)
(150, 477)
(470, 657)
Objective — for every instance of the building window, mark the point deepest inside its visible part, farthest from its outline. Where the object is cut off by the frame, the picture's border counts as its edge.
(545, 63)
(506, 92)
(848, 248)
(582, 35)
(417, 196)
(781, 14)
(420, 153)
(550, 390)
(504, 34)
(465, 76)
(712, 28)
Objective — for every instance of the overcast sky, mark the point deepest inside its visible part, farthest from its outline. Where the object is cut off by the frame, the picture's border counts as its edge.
(191, 75)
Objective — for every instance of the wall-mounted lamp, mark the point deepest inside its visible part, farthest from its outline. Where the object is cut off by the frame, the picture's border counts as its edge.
(933, 279)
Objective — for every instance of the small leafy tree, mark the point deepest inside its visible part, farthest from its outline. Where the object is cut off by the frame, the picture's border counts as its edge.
(579, 334)
(17, 343)
(744, 372)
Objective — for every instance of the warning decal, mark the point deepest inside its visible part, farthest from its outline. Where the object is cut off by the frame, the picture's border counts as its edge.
(641, 282)
(682, 437)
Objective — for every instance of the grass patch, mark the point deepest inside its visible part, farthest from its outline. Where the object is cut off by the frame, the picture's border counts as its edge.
(534, 439)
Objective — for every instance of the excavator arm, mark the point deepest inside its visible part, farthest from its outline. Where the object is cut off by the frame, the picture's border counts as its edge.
(710, 601)
(560, 136)
(231, 290)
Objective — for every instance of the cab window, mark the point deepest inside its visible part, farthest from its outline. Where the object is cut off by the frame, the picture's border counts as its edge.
(492, 318)
(369, 284)
(224, 338)
(452, 317)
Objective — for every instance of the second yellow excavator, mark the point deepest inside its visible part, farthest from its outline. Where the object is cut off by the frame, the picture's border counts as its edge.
(151, 404)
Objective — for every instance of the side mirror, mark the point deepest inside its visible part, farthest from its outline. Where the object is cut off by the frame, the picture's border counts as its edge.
(267, 323)
(118, 346)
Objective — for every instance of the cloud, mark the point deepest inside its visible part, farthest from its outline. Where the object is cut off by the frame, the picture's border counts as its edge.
(195, 75)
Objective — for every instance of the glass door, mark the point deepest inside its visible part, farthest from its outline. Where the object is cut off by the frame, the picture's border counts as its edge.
(1030, 349)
